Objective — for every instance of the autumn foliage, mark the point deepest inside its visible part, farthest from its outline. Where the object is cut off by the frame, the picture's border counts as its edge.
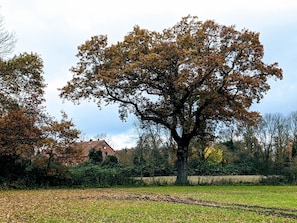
(25, 127)
(187, 78)
(18, 134)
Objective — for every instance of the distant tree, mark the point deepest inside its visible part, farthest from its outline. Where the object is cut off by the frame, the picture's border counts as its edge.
(152, 152)
(110, 161)
(268, 143)
(95, 156)
(7, 40)
(186, 78)
(213, 155)
(58, 137)
(281, 142)
(266, 132)
(293, 129)
(125, 157)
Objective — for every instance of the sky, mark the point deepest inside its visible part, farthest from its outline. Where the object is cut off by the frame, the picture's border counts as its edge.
(55, 28)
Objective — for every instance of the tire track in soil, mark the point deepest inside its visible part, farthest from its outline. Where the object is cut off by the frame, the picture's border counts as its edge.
(268, 211)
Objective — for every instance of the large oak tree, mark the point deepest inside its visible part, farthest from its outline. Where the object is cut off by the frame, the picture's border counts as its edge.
(187, 78)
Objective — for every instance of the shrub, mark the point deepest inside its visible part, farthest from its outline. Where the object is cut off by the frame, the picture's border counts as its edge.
(290, 174)
(41, 172)
(92, 175)
(95, 156)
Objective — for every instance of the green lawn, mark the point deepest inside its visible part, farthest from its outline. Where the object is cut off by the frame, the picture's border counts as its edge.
(152, 204)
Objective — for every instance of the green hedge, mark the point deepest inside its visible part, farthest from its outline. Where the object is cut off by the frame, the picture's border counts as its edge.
(90, 175)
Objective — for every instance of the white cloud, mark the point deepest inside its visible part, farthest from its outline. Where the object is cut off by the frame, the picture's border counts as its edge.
(124, 140)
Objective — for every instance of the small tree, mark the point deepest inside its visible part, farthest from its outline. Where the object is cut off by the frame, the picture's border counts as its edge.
(110, 161)
(58, 138)
(95, 156)
(7, 40)
(186, 78)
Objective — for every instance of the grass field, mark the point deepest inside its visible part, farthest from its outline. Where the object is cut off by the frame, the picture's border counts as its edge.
(152, 204)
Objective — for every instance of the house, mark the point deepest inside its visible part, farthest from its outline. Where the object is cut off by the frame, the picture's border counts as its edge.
(84, 148)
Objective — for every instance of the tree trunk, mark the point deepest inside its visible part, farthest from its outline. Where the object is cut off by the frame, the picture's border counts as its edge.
(182, 165)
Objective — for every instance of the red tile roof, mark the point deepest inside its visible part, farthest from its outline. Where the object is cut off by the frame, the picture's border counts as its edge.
(102, 145)
(84, 148)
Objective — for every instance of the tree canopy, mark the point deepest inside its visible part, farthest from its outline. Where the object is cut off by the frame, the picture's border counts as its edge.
(22, 83)
(187, 78)
(25, 127)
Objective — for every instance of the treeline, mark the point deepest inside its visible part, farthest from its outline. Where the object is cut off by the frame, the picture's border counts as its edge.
(270, 148)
